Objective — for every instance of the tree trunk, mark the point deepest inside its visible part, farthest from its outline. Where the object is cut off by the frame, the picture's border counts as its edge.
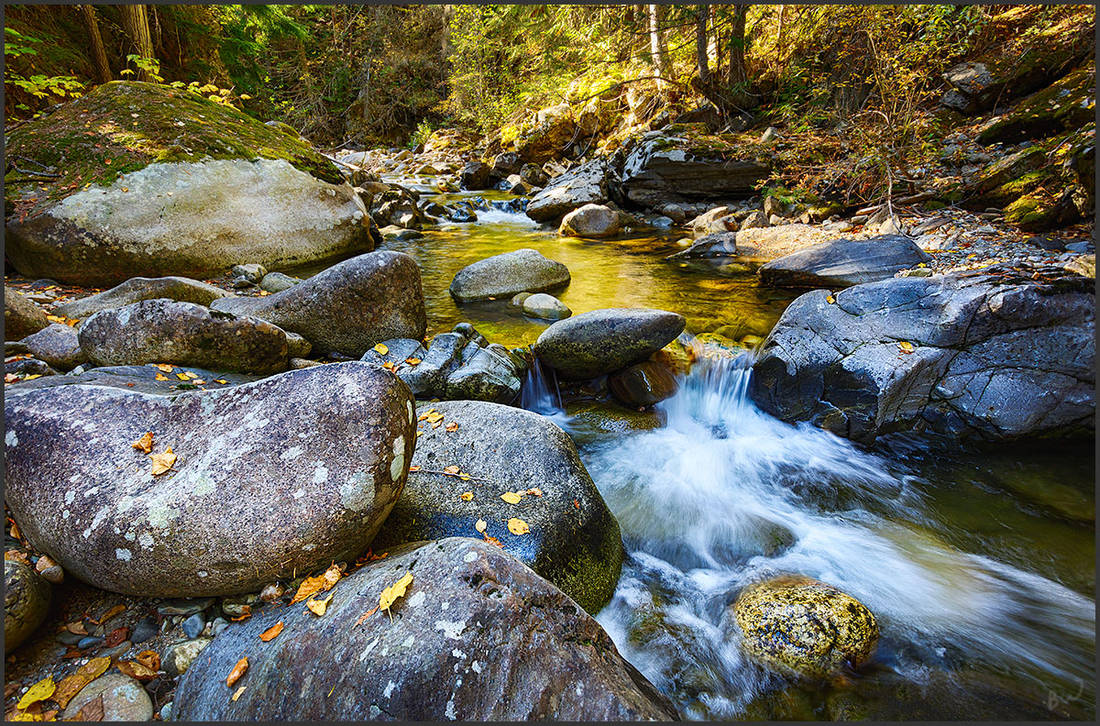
(657, 46)
(738, 77)
(99, 54)
(136, 24)
(701, 14)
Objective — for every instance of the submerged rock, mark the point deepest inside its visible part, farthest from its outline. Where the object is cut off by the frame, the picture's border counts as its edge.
(26, 602)
(508, 646)
(804, 628)
(602, 341)
(999, 354)
(504, 275)
(207, 187)
(347, 308)
(270, 478)
(719, 244)
(547, 307)
(844, 262)
(136, 289)
(165, 331)
(21, 316)
(574, 540)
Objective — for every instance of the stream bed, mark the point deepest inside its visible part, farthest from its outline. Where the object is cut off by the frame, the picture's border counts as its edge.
(979, 566)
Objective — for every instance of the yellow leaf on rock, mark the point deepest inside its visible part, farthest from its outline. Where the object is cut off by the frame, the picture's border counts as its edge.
(413, 361)
(390, 594)
(318, 607)
(906, 346)
(466, 496)
(511, 497)
(38, 692)
(166, 367)
(450, 469)
(145, 443)
(84, 675)
(313, 585)
(238, 692)
(381, 349)
(162, 463)
(518, 526)
(535, 491)
(452, 426)
(136, 670)
(830, 299)
(160, 377)
(480, 525)
(433, 416)
(183, 376)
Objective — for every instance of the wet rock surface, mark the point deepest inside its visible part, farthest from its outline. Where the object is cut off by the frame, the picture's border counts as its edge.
(844, 262)
(507, 646)
(26, 603)
(504, 275)
(602, 341)
(136, 289)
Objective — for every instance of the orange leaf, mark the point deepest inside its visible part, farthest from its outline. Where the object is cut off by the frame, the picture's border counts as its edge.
(160, 377)
(366, 615)
(91, 711)
(145, 443)
(149, 659)
(246, 613)
(166, 367)
(237, 672)
(414, 467)
(313, 585)
(272, 632)
(136, 670)
(413, 361)
(452, 426)
(535, 491)
(111, 613)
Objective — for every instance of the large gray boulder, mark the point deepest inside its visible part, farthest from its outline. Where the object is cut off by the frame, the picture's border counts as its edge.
(58, 345)
(205, 188)
(271, 478)
(136, 289)
(504, 275)
(26, 602)
(594, 221)
(602, 341)
(165, 331)
(662, 168)
(347, 308)
(994, 355)
(21, 316)
(476, 637)
(574, 540)
(844, 262)
(587, 184)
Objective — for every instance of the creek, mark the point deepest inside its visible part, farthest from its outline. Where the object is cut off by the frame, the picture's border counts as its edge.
(978, 565)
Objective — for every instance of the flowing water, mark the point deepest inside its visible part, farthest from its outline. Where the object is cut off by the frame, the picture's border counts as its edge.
(978, 567)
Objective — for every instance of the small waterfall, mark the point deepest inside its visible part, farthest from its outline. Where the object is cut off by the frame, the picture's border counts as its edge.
(540, 391)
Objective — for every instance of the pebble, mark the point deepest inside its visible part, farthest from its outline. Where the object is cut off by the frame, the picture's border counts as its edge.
(116, 651)
(193, 626)
(166, 712)
(215, 626)
(69, 638)
(185, 606)
(88, 641)
(145, 630)
(271, 592)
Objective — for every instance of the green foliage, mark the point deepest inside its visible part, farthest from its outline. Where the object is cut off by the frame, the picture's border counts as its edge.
(38, 85)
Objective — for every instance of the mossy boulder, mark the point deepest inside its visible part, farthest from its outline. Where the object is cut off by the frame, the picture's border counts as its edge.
(574, 540)
(146, 179)
(1066, 104)
(804, 628)
(26, 603)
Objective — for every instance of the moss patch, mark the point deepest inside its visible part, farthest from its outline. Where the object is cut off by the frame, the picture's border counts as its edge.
(124, 126)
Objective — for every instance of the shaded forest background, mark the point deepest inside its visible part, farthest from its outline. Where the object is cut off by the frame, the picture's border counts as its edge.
(853, 81)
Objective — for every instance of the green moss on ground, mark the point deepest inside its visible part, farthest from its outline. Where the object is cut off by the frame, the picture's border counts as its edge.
(1067, 103)
(124, 126)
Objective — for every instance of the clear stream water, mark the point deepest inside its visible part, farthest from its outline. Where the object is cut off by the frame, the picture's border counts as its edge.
(979, 567)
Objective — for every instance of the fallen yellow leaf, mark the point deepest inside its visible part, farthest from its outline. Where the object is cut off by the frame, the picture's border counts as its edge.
(84, 675)
(480, 525)
(237, 672)
(272, 632)
(160, 377)
(390, 594)
(450, 469)
(145, 443)
(313, 585)
(511, 497)
(452, 426)
(238, 692)
(466, 496)
(183, 376)
(136, 670)
(166, 367)
(381, 349)
(830, 299)
(162, 463)
(38, 692)
(220, 380)
(906, 346)
(535, 491)
(318, 607)
(433, 416)
(518, 526)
